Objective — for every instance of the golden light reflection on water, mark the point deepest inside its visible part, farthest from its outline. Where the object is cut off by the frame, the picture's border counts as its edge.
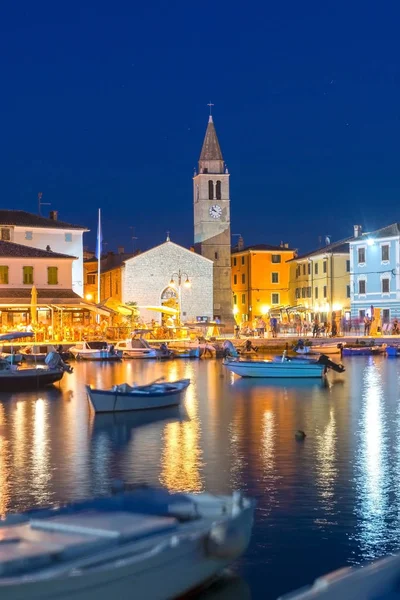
(181, 458)
(41, 473)
(4, 466)
(326, 470)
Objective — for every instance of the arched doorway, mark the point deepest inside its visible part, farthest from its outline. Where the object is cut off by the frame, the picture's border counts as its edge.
(169, 298)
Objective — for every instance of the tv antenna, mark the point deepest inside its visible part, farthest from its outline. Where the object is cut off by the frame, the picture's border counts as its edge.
(40, 203)
(133, 238)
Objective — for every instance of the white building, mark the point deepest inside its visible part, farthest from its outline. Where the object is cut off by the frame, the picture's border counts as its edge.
(35, 231)
(146, 280)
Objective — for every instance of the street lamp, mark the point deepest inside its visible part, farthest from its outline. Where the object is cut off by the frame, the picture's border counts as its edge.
(187, 283)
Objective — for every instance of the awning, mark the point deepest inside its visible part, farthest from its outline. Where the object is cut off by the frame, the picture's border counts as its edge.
(119, 307)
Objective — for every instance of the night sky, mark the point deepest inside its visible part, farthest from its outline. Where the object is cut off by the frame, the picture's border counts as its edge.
(104, 104)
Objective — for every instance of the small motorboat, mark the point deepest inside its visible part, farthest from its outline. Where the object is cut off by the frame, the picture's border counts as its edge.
(125, 397)
(375, 581)
(308, 348)
(363, 350)
(145, 543)
(136, 348)
(14, 378)
(95, 351)
(37, 354)
(283, 367)
(185, 352)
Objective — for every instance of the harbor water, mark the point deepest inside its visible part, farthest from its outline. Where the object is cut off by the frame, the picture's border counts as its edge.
(322, 503)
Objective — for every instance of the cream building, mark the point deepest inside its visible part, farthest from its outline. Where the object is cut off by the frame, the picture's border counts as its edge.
(146, 279)
(40, 232)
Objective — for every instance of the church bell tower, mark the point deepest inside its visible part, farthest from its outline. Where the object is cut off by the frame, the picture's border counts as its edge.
(212, 224)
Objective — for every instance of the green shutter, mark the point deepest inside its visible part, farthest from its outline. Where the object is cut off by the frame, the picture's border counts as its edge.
(52, 275)
(3, 274)
(27, 275)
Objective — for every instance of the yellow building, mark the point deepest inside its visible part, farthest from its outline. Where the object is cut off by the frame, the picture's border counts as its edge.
(320, 282)
(260, 280)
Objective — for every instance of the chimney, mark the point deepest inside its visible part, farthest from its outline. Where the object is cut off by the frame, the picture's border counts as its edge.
(240, 244)
(357, 231)
(121, 250)
(53, 215)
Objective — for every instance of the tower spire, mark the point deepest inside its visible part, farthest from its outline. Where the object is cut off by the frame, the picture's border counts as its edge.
(211, 159)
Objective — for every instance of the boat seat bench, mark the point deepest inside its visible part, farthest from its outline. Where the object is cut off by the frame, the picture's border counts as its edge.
(43, 542)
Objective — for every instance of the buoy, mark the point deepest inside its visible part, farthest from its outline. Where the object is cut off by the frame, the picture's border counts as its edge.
(300, 435)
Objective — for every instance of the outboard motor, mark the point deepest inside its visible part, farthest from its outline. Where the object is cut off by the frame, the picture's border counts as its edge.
(54, 361)
(229, 349)
(329, 364)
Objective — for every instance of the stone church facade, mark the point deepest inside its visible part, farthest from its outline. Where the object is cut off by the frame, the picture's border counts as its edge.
(146, 280)
(212, 221)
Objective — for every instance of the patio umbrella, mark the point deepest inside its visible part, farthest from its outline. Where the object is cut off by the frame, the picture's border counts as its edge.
(33, 304)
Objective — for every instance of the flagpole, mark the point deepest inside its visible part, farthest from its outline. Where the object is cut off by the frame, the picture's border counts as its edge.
(98, 260)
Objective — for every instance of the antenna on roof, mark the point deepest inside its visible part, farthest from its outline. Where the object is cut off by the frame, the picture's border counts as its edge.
(40, 203)
(133, 238)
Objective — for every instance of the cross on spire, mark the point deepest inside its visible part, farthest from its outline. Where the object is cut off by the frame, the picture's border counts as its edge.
(210, 104)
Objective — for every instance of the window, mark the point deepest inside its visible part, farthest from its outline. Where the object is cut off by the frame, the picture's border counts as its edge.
(234, 261)
(216, 255)
(52, 275)
(316, 293)
(361, 314)
(68, 237)
(243, 298)
(274, 298)
(348, 291)
(297, 294)
(297, 270)
(276, 258)
(303, 292)
(234, 279)
(234, 299)
(218, 190)
(304, 269)
(316, 268)
(385, 252)
(309, 268)
(211, 190)
(116, 287)
(347, 266)
(29, 235)
(91, 279)
(27, 274)
(361, 256)
(309, 291)
(275, 277)
(4, 274)
(386, 315)
(361, 286)
(385, 286)
(243, 260)
(324, 266)
(5, 234)
(243, 278)
(324, 291)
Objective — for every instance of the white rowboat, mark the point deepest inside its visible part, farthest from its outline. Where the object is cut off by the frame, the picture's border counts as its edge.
(95, 351)
(145, 544)
(125, 397)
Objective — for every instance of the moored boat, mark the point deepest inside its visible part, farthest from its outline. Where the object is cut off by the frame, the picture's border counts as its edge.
(283, 367)
(95, 351)
(37, 354)
(363, 350)
(136, 348)
(182, 352)
(137, 397)
(376, 581)
(393, 350)
(147, 543)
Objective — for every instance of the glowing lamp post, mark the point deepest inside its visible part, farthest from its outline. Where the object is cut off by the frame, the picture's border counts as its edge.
(187, 283)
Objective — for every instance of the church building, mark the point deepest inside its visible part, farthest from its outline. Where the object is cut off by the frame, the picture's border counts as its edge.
(212, 224)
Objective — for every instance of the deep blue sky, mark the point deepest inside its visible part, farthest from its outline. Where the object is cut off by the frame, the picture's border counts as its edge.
(103, 104)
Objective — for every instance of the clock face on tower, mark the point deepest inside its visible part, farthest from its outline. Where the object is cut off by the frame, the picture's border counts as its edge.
(215, 211)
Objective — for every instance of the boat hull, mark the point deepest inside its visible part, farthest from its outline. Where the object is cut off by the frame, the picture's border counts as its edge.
(31, 380)
(392, 350)
(167, 570)
(106, 401)
(139, 354)
(289, 370)
(367, 351)
(99, 355)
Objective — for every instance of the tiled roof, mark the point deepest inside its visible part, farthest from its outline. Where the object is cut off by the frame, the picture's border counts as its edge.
(12, 250)
(392, 230)
(340, 247)
(211, 149)
(263, 247)
(25, 219)
(45, 296)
